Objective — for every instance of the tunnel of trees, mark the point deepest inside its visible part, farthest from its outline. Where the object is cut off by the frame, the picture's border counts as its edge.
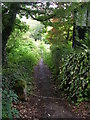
(61, 37)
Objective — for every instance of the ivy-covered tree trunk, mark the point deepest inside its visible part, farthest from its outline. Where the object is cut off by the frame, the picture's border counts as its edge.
(7, 27)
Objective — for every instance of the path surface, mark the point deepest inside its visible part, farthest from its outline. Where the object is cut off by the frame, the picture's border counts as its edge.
(50, 104)
(45, 101)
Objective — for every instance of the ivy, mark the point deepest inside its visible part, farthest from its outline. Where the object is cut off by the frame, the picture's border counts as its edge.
(74, 77)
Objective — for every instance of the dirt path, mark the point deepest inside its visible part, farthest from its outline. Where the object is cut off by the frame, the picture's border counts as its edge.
(50, 104)
(45, 102)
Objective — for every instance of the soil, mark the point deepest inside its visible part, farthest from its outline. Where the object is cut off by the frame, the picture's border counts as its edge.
(46, 101)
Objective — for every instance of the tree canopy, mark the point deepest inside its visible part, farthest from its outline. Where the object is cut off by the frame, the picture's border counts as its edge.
(41, 11)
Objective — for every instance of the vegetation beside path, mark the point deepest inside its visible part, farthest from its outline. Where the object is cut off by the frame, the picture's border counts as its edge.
(58, 32)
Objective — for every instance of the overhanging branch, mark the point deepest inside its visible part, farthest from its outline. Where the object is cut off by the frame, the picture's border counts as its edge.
(40, 18)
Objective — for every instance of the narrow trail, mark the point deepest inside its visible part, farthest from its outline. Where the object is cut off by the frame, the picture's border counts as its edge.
(45, 102)
(51, 105)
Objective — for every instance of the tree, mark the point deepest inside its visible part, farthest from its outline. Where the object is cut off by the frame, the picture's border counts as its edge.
(9, 11)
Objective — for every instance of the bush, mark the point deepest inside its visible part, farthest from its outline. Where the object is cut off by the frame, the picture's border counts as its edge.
(74, 77)
(57, 53)
(8, 96)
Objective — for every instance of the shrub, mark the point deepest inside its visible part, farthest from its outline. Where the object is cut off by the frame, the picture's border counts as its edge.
(57, 53)
(74, 76)
(8, 96)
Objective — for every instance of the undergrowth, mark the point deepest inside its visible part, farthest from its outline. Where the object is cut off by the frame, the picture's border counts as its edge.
(22, 56)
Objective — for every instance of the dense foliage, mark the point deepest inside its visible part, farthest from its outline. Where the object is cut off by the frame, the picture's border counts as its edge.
(8, 95)
(74, 77)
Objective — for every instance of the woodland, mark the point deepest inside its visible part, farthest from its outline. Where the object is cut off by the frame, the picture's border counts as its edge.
(58, 33)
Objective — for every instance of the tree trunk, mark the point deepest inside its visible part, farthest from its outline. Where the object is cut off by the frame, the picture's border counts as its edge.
(14, 8)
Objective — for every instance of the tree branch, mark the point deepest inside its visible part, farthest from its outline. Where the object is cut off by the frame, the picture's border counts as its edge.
(40, 18)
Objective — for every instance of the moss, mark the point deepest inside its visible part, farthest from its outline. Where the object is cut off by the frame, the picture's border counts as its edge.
(20, 83)
(20, 89)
